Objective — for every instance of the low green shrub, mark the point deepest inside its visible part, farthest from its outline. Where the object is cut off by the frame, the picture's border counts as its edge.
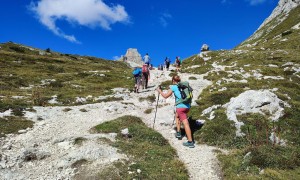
(257, 128)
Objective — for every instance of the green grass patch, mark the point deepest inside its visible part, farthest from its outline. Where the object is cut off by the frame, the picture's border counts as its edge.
(192, 78)
(261, 162)
(12, 124)
(147, 149)
(218, 132)
(150, 98)
(67, 109)
(83, 110)
(79, 140)
(148, 111)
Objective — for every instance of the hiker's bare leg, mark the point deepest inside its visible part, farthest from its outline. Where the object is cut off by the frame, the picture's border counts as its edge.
(187, 129)
(177, 123)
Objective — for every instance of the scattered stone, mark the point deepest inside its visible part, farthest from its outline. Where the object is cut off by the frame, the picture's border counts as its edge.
(29, 155)
(125, 133)
(22, 131)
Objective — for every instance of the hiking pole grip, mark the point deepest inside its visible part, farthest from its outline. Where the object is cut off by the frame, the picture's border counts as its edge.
(156, 109)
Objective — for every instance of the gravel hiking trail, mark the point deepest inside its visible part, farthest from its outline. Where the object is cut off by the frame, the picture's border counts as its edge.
(50, 150)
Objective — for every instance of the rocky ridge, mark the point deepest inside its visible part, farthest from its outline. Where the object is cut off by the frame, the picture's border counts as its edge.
(278, 15)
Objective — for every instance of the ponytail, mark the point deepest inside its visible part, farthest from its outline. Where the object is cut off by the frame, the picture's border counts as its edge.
(176, 78)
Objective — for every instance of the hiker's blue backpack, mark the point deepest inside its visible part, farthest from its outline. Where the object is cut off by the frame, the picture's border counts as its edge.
(136, 71)
(186, 93)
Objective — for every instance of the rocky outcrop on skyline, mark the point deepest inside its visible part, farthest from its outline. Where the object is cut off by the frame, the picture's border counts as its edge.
(132, 57)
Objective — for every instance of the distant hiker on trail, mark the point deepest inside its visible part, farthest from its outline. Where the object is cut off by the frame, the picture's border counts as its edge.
(181, 110)
(151, 67)
(167, 62)
(147, 59)
(178, 63)
(161, 67)
(137, 74)
(146, 75)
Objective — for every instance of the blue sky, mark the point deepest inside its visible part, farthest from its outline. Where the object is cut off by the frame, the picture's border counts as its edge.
(107, 28)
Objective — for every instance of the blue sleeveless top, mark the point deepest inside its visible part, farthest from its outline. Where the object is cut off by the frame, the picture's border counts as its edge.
(177, 94)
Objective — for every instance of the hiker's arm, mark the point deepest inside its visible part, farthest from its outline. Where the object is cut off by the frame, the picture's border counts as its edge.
(165, 95)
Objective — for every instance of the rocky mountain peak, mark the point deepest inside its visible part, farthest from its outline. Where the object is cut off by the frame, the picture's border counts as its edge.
(283, 7)
(132, 57)
(279, 15)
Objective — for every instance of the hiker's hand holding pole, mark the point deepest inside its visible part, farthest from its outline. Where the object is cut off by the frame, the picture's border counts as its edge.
(164, 94)
(159, 89)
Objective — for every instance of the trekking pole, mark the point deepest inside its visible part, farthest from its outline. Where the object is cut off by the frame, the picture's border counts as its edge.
(156, 108)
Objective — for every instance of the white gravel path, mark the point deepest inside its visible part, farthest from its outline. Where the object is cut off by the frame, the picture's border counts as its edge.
(51, 140)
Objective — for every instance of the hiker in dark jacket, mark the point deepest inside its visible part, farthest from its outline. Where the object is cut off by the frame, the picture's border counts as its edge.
(167, 62)
(181, 111)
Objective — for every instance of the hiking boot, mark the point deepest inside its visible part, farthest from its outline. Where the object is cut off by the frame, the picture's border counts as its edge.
(178, 135)
(189, 144)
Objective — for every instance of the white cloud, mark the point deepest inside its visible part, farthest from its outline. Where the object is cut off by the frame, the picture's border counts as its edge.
(89, 13)
(163, 19)
(116, 58)
(256, 2)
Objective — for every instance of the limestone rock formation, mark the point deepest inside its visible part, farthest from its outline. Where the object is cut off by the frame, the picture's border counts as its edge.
(278, 15)
(283, 7)
(132, 57)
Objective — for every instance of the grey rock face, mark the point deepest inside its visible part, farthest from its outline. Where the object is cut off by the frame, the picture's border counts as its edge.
(280, 13)
(284, 6)
(132, 57)
(261, 101)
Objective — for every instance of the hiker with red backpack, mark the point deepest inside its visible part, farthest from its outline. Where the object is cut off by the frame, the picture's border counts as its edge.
(146, 75)
(183, 97)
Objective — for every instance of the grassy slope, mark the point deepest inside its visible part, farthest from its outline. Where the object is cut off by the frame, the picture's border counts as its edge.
(269, 49)
(75, 76)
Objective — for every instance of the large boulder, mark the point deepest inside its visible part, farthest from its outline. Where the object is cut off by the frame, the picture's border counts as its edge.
(254, 101)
